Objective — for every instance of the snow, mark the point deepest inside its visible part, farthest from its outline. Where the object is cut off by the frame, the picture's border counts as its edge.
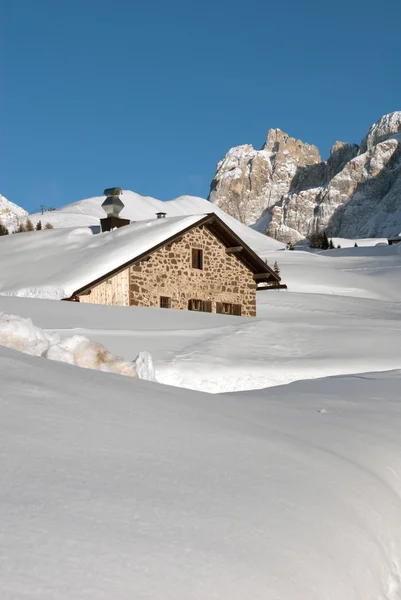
(285, 486)
(21, 334)
(87, 212)
(341, 314)
(117, 488)
(10, 212)
(56, 263)
(348, 243)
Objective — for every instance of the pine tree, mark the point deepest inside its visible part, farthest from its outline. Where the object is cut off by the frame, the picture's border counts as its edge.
(355, 245)
(331, 245)
(338, 246)
(290, 246)
(29, 225)
(49, 226)
(276, 269)
(3, 229)
(38, 225)
(325, 241)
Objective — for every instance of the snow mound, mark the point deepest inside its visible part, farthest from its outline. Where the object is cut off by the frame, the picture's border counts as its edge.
(21, 334)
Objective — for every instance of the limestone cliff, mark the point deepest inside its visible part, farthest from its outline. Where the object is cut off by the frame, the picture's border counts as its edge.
(287, 191)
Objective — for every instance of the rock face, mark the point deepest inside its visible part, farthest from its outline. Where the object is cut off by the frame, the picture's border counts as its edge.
(10, 212)
(286, 191)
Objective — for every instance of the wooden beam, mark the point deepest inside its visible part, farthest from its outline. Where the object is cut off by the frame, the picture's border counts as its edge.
(281, 286)
(258, 276)
(234, 249)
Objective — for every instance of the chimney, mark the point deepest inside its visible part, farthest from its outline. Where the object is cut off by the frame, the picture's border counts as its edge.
(161, 215)
(112, 207)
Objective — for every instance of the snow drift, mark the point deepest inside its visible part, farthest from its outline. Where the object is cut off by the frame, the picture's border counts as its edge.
(22, 335)
(113, 488)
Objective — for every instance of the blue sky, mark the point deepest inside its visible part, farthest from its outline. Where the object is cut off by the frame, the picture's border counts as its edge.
(150, 95)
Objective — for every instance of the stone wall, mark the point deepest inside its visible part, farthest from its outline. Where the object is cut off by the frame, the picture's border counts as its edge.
(168, 272)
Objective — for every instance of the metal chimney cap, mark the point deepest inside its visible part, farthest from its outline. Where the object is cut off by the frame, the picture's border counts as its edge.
(114, 191)
(112, 206)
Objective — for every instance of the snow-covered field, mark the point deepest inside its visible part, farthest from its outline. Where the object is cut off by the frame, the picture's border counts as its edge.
(341, 314)
(113, 487)
(117, 488)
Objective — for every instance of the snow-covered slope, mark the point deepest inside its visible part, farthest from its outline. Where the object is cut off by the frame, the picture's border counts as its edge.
(10, 212)
(88, 212)
(117, 488)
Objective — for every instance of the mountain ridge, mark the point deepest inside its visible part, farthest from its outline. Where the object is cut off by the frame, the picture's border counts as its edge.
(287, 191)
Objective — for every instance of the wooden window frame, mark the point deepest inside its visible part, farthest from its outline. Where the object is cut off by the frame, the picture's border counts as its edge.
(165, 302)
(197, 258)
(229, 308)
(197, 305)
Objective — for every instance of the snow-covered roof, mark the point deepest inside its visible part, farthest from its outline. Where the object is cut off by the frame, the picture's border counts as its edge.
(55, 263)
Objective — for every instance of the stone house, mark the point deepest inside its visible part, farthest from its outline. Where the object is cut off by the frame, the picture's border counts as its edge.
(200, 266)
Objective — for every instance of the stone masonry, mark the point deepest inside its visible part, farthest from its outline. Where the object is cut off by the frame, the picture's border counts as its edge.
(168, 272)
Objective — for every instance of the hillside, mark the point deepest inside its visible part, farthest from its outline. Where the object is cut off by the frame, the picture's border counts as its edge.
(89, 211)
(10, 212)
(286, 190)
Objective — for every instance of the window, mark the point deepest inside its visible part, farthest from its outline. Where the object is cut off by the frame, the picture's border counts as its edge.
(236, 310)
(195, 305)
(200, 305)
(224, 308)
(197, 258)
(165, 302)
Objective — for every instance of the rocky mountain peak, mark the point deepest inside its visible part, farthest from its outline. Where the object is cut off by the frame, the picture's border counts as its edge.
(248, 181)
(388, 126)
(279, 142)
(288, 192)
(340, 154)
